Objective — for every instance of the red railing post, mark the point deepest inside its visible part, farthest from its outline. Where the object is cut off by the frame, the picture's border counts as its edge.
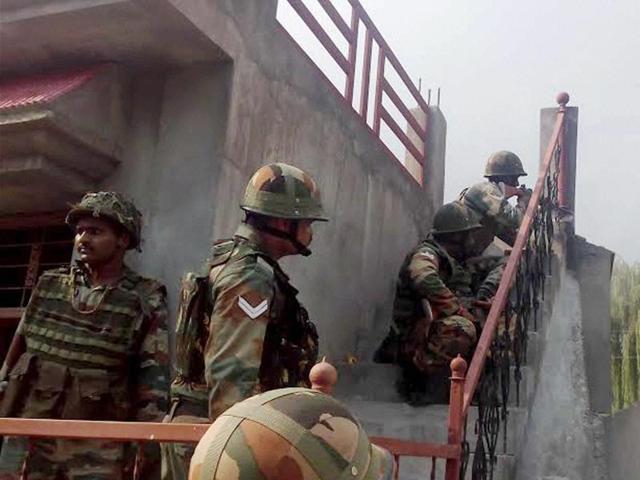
(456, 403)
(351, 57)
(377, 113)
(562, 99)
(366, 74)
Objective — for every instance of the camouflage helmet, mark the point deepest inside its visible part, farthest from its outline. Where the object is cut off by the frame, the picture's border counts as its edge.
(290, 433)
(111, 205)
(504, 163)
(283, 191)
(454, 217)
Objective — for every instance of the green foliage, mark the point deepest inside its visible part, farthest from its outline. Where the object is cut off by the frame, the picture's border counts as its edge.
(625, 334)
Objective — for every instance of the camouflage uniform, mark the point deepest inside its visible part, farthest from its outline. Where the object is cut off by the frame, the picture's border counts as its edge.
(292, 434)
(487, 199)
(256, 336)
(96, 353)
(429, 273)
(499, 217)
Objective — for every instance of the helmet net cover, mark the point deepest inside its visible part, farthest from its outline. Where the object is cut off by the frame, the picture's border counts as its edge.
(293, 434)
(113, 206)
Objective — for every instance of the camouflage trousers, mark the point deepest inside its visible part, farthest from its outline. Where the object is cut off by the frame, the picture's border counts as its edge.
(425, 371)
(447, 338)
(53, 459)
(176, 457)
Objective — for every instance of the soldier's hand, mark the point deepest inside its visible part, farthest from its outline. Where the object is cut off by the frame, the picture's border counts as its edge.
(484, 304)
(510, 191)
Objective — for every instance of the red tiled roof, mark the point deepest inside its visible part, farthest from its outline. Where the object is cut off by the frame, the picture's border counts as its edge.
(23, 91)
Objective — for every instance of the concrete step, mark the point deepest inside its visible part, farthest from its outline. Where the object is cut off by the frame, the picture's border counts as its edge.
(420, 424)
(415, 468)
(377, 382)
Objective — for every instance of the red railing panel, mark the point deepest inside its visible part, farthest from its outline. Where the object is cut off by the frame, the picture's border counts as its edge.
(114, 431)
(366, 75)
(337, 19)
(322, 36)
(395, 128)
(348, 66)
(409, 117)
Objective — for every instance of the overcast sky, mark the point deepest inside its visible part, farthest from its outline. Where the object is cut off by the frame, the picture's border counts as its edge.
(498, 62)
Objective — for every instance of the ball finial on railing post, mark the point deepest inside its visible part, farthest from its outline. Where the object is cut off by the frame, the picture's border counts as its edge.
(323, 377)
(458, 368)
(562, 99)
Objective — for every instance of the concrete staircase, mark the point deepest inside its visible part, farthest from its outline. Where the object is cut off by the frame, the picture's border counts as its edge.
(369, 391)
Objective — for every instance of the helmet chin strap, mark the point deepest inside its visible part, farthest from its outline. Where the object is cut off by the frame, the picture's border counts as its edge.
(290, 236)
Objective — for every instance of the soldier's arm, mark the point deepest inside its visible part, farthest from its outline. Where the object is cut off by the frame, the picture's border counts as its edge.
(233, 353)
(506, 216)
(423, 270)
(489, 285)
(152, 379)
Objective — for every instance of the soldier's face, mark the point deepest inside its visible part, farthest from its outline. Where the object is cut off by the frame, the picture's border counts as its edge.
(98, 241)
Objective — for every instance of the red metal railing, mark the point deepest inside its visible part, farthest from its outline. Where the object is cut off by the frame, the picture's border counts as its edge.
(192, 433)
(382, 86)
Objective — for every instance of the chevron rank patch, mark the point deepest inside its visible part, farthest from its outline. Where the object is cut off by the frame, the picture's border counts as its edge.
(252, 311)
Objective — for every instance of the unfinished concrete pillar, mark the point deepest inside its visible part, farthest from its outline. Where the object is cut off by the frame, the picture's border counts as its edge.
(432, 174)
(569, 148)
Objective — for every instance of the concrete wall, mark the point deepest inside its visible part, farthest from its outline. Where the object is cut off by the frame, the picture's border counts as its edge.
(623, 432)
(563, 438)
(592, 266)
(198, 133)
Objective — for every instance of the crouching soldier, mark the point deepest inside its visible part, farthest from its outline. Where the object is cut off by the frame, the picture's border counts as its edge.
(430, 325)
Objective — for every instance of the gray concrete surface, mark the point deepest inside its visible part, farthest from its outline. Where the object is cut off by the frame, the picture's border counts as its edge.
(592, 266)
(623, 436)
(563, 437)
(45, 34)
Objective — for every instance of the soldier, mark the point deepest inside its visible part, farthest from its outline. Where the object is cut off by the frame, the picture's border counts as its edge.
(292, 434)
(489, 199)
(94, 347)
(430, 324)
(240, 329)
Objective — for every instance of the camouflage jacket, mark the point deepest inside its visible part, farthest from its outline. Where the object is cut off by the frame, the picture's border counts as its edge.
(488, 200)
(100, 353)
(428, 273)
(258, 336)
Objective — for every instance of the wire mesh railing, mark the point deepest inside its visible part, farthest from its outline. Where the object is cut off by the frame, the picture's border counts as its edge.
(502, 347)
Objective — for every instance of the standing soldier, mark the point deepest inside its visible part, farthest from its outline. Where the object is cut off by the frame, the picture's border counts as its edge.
(490, 199)
(91, 345)
(240, 329)
(430, 324)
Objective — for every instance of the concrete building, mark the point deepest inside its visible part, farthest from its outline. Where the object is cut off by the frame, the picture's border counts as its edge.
(176, 103)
